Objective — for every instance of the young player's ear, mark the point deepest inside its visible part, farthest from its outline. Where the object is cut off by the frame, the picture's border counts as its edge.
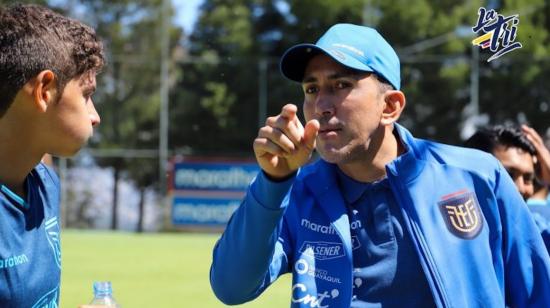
(44, 89)
(394, 104)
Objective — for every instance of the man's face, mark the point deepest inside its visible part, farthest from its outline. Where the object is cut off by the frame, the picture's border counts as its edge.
(73, 116)
(348, 106)
(521, 167)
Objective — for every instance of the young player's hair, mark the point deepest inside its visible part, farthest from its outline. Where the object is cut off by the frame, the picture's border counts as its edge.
(488, 138)
(33, 39)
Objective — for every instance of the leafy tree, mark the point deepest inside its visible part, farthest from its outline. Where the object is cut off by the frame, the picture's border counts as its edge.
(128, 91)
(513, 87)
(222, 98)
(9, 2)
(217, 95)
(436, 74)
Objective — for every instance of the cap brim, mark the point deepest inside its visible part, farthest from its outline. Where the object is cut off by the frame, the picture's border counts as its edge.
(295, 60)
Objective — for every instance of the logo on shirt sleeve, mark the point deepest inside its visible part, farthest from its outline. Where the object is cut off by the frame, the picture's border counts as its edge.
(462, 214)
(52, 234)
(49, 300)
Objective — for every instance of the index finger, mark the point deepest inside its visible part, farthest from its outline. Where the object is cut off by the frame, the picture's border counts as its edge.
(290, 124)
(289, 111)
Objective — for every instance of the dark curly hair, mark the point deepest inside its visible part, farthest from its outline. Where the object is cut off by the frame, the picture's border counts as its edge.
(486, 139)
(33, 39)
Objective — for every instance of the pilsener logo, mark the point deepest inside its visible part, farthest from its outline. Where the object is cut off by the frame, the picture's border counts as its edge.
(323, 250)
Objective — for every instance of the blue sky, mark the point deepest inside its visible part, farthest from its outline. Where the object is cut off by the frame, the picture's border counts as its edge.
(186, 13)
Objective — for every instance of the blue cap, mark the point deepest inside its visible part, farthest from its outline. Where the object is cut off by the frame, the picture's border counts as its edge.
(357, 47)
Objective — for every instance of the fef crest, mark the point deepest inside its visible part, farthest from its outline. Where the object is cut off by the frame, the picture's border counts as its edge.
(462, 214)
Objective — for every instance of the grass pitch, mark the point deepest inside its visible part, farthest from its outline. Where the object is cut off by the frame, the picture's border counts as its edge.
(148, 270)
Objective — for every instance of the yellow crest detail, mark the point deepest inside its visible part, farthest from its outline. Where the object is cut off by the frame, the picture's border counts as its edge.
(462, 215)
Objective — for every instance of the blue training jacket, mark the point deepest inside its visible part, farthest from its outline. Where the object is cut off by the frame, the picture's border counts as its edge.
(477, 243)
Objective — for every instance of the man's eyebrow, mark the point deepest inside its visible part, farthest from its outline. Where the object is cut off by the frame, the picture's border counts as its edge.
(348, 74)
(309, 79)
(516, 170)
(511, 169)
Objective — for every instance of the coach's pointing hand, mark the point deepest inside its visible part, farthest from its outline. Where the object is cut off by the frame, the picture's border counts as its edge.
(283, 145)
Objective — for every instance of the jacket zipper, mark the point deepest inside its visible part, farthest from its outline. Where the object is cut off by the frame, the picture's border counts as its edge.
(415, 233)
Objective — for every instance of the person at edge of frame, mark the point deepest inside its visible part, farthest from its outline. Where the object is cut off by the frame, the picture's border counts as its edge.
(48, 67)
(383, 218)
(541, 189)
(522, 152)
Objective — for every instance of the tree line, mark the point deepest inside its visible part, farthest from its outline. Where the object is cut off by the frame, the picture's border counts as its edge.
(224, 74)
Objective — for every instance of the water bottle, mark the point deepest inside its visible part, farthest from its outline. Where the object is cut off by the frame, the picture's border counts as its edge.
(103, 295)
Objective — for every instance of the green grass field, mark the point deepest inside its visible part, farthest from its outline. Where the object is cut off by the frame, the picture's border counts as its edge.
(148, 270)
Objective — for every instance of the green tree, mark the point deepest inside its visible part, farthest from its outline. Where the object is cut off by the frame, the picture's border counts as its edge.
(217, 96)
(222, 98)
(9, 2)
(128, 91)
(514, 87)
(436, 80)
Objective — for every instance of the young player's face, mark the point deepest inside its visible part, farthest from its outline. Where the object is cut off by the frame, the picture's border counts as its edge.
(348, 106)
(520, 166)
(74, 116)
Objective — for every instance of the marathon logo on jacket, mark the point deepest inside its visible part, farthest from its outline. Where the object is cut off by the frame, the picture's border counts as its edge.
(323, 250)
(355, 242)
(461, 213)
(13, 261)
(356, 224)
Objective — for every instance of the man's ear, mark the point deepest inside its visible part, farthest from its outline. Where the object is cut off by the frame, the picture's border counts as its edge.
(394, 104)
(44, 90)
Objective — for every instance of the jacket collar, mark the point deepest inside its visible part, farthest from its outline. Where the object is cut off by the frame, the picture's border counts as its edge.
(321, 181)
(411, 163)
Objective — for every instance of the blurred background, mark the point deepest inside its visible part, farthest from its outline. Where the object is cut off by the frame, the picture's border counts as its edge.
(189, 82)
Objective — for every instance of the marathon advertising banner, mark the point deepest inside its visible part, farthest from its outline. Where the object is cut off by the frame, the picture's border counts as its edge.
(206, 211)
(214, 176)
(206, 193)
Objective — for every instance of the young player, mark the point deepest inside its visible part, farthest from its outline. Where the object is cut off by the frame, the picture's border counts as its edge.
(48, 67)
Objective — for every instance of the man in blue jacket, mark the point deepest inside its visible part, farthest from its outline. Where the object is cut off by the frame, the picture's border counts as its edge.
(383, 218)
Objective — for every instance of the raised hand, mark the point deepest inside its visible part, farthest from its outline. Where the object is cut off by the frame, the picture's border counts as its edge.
(283, 145)
(543, 155)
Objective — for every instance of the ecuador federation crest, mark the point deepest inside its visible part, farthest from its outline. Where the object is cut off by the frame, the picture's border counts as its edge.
(462, 214)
